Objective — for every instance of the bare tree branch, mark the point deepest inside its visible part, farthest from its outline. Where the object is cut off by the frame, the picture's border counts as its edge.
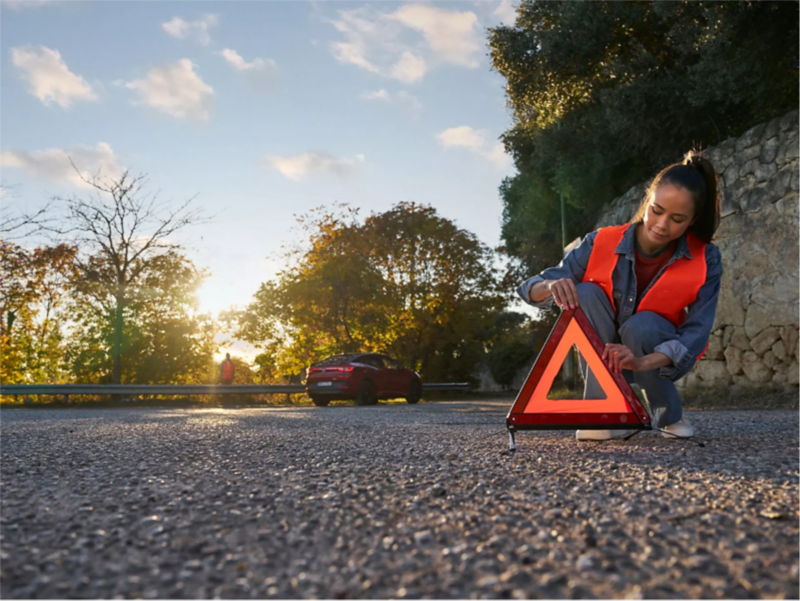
(19, 224)
(120, 231)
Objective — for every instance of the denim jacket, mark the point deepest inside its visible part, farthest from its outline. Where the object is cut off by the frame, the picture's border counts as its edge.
(691, 337)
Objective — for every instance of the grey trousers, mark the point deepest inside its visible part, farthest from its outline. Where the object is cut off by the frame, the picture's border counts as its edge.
(641, 333)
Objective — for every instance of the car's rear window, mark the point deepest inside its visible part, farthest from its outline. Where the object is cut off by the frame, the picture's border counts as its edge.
(337, 360)
(372, 360)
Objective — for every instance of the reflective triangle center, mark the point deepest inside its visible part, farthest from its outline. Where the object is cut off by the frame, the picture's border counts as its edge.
(613, 403)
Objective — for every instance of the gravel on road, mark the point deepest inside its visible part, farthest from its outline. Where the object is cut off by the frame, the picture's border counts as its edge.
(391, 501)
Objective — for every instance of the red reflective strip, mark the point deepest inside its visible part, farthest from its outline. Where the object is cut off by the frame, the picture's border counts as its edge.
(539, 403)
(576, 420)
(573, 327)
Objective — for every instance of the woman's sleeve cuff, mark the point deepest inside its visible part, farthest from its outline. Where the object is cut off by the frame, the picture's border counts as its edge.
(524, 291)
(682, 360)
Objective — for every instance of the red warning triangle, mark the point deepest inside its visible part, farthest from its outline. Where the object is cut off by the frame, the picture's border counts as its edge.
(532, 409)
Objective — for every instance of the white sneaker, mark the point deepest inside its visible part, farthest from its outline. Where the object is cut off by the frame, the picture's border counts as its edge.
(680, 429)
(602, 434)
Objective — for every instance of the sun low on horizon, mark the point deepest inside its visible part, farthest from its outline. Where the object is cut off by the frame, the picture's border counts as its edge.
(259, 112)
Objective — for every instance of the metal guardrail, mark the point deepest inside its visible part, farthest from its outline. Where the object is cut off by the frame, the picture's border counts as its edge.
(190, 389)
(137, 389)
(447, 386)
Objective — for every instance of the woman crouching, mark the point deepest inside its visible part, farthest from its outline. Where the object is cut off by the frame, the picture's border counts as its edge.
(649, 289)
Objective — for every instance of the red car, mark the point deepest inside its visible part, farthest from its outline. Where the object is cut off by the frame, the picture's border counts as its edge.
(364, 377)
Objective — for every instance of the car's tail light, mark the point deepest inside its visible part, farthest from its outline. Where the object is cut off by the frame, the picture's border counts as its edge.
(314, 370)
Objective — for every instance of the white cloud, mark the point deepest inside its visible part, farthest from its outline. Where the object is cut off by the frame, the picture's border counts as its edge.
(390, 43)
(377, 95)
(402, 98)
(366, 32)
(266, 65)
(476, 142)
(462, 136)
(54, 165)
(453, 36)
(175, 89)
(23, 4)
(497, 155)
(178, 28)
(409, 68)
(49, 78)
(358, 31)
(308, 163)
(506, 12)
(353, 52)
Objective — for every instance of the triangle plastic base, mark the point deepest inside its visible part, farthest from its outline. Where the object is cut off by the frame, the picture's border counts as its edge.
(532, 410)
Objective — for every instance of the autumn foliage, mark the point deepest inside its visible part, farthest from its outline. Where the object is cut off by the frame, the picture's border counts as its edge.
(406, 282)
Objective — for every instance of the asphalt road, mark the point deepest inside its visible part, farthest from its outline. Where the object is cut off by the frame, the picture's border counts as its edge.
(391, 501)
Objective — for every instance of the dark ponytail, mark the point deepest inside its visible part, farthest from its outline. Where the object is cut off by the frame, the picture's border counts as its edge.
(696, 175)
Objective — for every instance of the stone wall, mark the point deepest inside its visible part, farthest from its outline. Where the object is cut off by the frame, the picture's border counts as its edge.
(755, 335)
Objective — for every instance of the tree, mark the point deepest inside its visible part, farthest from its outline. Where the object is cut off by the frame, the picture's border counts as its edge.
(441, 286)
(516, 342)
(14, 224)
(406, 282)
(605, 93)
(327, 301)
(122, 234)
(164, 338)
(33, 318)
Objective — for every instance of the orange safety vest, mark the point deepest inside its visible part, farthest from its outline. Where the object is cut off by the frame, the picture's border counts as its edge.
(227, 370)
(670, 294)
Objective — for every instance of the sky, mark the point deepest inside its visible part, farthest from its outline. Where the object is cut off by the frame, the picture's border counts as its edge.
(263, 110)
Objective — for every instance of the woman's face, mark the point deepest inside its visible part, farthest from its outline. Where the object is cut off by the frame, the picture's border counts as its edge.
(669, 214)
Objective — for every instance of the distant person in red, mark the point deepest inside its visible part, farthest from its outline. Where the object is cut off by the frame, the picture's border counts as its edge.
(226, 370)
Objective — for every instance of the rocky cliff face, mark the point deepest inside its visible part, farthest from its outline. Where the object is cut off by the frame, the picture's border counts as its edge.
(755, 336)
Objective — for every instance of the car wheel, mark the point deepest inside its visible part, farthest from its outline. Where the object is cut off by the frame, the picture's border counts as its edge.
(366, 393)
(414, 392)
(320, 401)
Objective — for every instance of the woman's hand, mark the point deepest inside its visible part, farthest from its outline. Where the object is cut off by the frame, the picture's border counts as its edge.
(619, 357)
(564, 292)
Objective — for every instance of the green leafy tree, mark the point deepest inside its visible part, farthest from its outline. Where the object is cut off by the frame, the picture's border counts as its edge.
(605, 93)
(122, 234)
(327, 301)
(442, 289)
(406, 282)
(165, 339)
(33, 317)
(518, 341)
